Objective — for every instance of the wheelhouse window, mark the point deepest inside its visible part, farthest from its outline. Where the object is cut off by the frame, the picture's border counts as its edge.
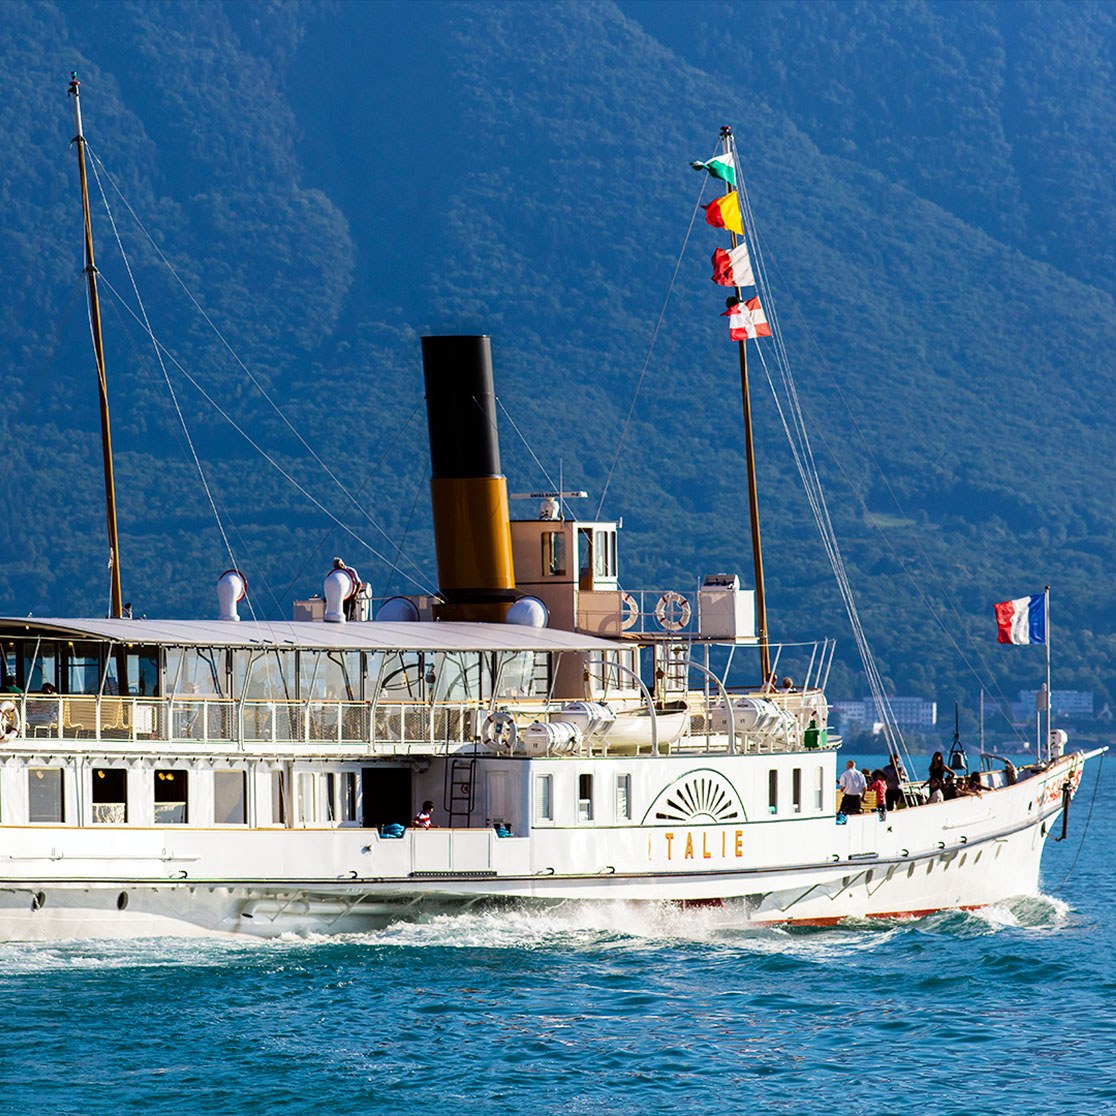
(585, 798)
(45, 804)
(230, 798)
(773, 791)
(553, 553)
(171, 797)
(110, 795)
(623, 798)
(544, 798)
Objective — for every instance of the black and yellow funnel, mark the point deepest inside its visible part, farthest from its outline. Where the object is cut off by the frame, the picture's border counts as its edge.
(472, 529)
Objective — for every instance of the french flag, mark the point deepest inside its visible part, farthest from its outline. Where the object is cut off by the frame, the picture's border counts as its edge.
(1022, 620)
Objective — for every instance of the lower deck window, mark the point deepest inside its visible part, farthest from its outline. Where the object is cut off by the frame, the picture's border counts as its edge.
(44, 795)
(623, 798)
(585, 798)
(796, 790)
(544, 798)
(819, 789)
(278, 798)
(348, 796)
(110, 796)
(773, 792)
(230, 802)
(170, 798)
(307, 805)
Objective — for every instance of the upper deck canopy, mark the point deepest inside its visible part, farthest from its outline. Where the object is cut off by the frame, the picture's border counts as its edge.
(312, 635)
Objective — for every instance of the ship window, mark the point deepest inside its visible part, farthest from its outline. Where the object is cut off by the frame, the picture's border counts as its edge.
(170, 798)
(278, 798)
(307, 806)
(796, 790)
(41, 667)
(329, 676)
(199, 671)
(623, 798)
(517, 673)
(331, 796)
(83, 674)
(398, 673)
(553, 553)
(544, 798)
(44, 795)
(230, 804)
(585, 798)
(819, 789)
(110, 795)
(773, 792)
(453, 675)
(348, 796)
(604, 554)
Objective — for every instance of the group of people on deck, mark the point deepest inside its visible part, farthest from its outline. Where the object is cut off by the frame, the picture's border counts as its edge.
(881, 790)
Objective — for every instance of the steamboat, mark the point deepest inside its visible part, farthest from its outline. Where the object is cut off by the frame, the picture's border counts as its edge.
(576, 741)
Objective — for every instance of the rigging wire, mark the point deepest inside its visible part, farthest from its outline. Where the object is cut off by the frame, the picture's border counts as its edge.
(933, 610)
(352, 501)
(166, 377)
(256, 446)
(650, 350)
(1085, 830)
(790, 411)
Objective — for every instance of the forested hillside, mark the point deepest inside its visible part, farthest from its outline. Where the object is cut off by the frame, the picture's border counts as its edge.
(332, 181)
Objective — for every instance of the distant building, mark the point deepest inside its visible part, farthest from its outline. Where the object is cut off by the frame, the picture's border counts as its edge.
(909, 712)
(1073, 705)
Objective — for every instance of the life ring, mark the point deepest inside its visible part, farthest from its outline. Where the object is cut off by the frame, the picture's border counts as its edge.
(629, 611)
(670, 603)
(9, 720)
(500, 732)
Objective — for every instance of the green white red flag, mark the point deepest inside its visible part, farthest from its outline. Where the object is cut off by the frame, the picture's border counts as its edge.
(734, 267)
(720, 166)
(747, 319)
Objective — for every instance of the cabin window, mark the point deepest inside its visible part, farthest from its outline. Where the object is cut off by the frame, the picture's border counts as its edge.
(278, 798)
(348, 796)
(110, 795)
(796, 790)
(170, 798)
(453, 675)
(398, 674)
(585, 798)
(623, 798)
(83, 673)
(44, 795)
(329, 676)
(230, 798)
(40, 667)
(553, 553)
(518, 670)
(773, 792)
(11, 658)
(196, 671)
(307, 803)
(819, 790)
(331, 796)
(602, 566)
(544, 798)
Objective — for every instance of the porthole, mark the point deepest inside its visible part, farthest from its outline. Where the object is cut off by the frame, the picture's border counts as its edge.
(38, 900)
(122, 901)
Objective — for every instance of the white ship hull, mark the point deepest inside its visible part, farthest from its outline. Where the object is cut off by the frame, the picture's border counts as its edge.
(971, 852)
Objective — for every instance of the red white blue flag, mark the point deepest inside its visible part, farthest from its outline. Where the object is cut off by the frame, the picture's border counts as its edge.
(1022, 620)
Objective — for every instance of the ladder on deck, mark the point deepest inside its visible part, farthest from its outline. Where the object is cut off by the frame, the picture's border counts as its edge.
(460, 788)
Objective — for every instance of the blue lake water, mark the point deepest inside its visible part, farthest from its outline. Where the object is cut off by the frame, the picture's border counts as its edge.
(610, 1009)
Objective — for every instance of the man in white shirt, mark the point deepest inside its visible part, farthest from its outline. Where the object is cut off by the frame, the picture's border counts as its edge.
(852, 785)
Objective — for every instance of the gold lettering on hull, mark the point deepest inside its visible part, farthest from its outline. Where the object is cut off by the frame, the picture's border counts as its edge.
(731, 845)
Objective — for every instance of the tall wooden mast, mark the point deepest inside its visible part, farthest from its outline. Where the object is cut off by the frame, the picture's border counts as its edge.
(117, 604)
(749, 452)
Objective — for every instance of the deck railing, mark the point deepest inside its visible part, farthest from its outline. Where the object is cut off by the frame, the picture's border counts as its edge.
(251, 725)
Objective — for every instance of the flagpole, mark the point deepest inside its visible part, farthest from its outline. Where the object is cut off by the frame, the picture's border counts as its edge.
(749, 453)
(1049, 695)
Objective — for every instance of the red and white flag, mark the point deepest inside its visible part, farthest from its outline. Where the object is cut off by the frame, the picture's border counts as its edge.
(746, 319)
(733, 268)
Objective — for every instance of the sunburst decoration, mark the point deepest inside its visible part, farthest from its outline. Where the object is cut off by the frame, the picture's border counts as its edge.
(702, 797)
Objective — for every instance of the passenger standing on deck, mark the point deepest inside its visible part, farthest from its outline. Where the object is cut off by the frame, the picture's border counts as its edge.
(893, 781)
(423, 819)
(852, 783)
